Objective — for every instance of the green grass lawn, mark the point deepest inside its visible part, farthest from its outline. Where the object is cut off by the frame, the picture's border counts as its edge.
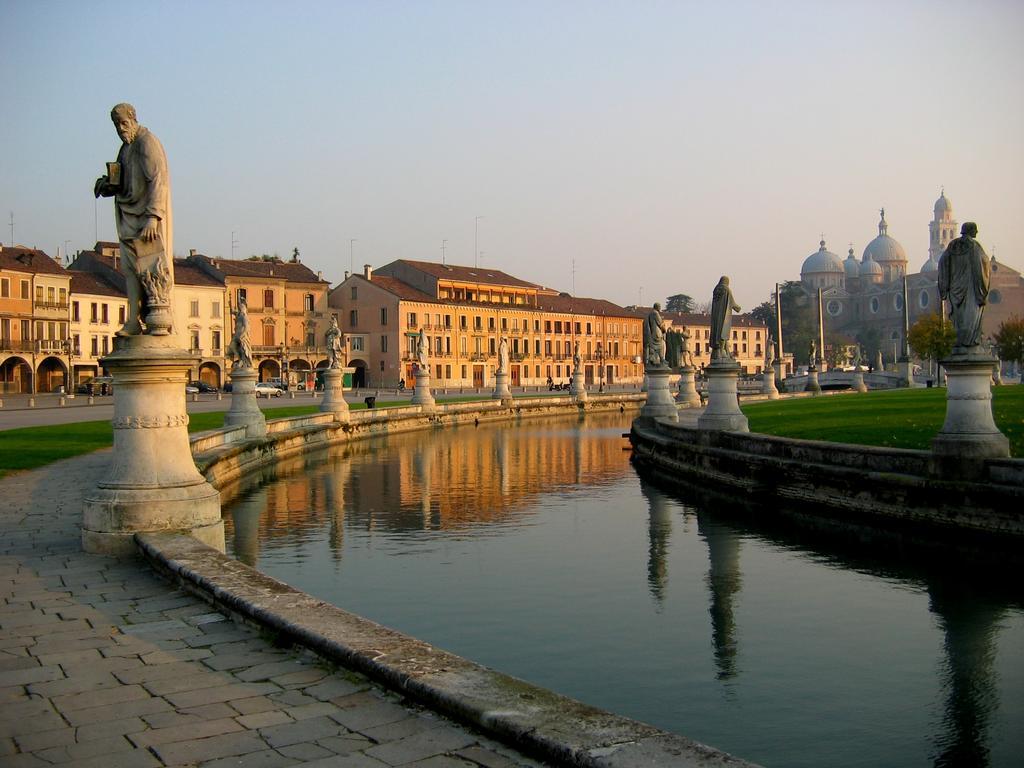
(899, 418)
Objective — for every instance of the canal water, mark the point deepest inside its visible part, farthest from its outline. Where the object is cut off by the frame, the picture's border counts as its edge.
(536, 549)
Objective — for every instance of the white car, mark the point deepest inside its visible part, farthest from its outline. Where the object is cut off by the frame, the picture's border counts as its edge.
(267, 390)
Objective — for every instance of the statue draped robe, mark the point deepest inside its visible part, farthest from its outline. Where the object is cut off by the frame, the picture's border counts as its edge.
(964, 272)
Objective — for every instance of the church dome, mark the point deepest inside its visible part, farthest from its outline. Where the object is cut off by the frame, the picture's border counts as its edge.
(930, 267)
(943, 205)
(821, 261)
(884, 249)
(870, 268)
(851, 266)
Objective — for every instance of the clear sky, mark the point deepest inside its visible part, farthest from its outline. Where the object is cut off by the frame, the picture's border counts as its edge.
(658, 145)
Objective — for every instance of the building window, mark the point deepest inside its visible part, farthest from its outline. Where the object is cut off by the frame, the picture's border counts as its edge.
(74, 311)
(874, 305)
(353, 318)
(268, 298)
(307, 302)
(448, 321)
(194, 340)
(5, 287)
(106, 344)
(94, 312)
(897, 301)
(311, 339)
(924, 299)
(121, 316)
(216, 342)
(103, 314)
(383, 343)
(834, 307)
(240, 295)
(95, 346)
(383, 315)
(994, 296)
(504, 323)
(357, 343)
(355, 293)
(63, 296)
(215, 310)
(490, 323)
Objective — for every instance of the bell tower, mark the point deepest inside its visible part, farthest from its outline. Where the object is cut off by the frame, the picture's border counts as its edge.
(942, 228)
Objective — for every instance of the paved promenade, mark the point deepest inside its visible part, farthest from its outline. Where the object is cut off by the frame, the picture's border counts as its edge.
(102, 663)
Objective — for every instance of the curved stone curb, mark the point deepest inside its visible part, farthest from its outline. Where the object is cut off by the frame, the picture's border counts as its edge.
(532, 719)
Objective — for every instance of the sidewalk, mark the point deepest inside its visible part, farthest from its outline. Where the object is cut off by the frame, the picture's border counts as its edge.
(104, 664)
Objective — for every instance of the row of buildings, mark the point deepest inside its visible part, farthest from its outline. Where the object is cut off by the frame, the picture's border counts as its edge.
(57, 323)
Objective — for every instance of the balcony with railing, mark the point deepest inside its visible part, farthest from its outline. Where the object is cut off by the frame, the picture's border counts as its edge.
(57, 305)
(19, 345)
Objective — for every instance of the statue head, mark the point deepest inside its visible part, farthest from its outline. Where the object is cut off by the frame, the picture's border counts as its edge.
(125, 122)
(969, 228)
(657, 306)
(724, 280)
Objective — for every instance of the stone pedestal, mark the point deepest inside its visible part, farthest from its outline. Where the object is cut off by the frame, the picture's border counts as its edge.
(244, 409)
(334, 395)
(152, 483)
(688, 397)
(501, 390)
(421, 393)
(969, 434)
(577, 388)
(723, 409)
(905, 369)
(768, 384)
(780, 369)
(858, 385)
(812, 382)
(659, 399)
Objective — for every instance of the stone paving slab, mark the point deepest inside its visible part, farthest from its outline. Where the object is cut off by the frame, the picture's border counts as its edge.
(103, 663)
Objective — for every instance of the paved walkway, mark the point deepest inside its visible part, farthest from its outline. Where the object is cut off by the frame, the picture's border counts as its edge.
(102, 663)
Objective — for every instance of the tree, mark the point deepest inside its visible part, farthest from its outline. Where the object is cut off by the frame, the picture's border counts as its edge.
(931, 337)
(799, 321)
(1010, 340)
(765, 313)
(680, 302)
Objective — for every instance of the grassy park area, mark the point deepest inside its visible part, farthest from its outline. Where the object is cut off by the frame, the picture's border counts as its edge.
(898, 418)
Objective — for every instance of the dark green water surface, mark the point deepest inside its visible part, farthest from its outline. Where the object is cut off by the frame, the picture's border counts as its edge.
(537, 550)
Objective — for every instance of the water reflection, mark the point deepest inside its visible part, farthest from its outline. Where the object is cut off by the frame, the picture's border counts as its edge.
(540, 533)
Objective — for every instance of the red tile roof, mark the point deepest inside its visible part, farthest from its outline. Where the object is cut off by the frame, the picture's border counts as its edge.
(403, 290)
(469, 274)
(189, 274)
(285, 270)
(90, 282)
(582, 305)
(20, 259)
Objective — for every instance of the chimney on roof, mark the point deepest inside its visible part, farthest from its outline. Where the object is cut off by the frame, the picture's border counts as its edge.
(368, 272)
(346, 274)
(319, 274)
(192, 252)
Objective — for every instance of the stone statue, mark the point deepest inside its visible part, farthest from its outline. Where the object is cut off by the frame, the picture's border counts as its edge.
(685, 353)
(879, 365)
(240, 347)
(964, 272)
(856, 357)
(140, 184)
(503, 355)
(576, 359)
(654, 338)
(722, 306)
(812, 353)
(769, 352)
(423, 352)
(334, 347)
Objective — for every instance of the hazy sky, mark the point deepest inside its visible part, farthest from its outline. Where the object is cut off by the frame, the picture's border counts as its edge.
(659, 145)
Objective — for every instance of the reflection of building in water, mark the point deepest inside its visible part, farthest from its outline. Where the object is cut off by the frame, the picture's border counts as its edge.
(660, 528)
(244, 525)
(970, 684)
(435, 481)
(724, 582)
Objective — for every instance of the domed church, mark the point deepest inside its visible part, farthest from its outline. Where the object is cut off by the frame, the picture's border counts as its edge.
(864, 299)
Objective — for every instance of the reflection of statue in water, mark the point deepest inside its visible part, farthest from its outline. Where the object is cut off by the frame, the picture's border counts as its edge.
(240, 348)
(964, 272)
(333, 339)
(140, 184)
(423, 352)
(722, 306)
(724, 582)
(503, 355)
(654, 338)
(659, 530)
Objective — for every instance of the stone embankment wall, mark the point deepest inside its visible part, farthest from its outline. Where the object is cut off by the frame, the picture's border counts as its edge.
(835, 479)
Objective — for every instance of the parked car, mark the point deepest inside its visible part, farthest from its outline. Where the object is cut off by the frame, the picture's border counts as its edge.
(267, 390)
(191, 390)
(202, 386)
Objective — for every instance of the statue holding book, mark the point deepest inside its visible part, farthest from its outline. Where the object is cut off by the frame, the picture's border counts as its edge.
(140, 184)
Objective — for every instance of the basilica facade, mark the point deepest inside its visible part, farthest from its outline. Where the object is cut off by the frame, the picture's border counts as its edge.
(862, 300)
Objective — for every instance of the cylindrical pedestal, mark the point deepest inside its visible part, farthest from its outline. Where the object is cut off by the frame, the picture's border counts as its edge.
(812, 382)
(768, 384)
(334, 395)
(660, 404)
(688, 396)
(152, 483)
(244, 409)
(858, 385)
(723, 410)
(501, 390)
(969, 434)
(421, 393)
(780, 369)
(577, 388)
(906, 371)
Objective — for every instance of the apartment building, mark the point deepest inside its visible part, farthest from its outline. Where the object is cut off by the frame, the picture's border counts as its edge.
(98, 310)
(201, 321)
(34, 314)
(464, 312)
(749, 338)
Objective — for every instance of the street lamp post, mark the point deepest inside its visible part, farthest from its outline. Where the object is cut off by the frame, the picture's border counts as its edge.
(69, 348)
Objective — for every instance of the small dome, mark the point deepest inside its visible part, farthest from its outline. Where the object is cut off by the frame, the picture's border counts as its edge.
(943, 205)
(930, 267)
(870, 267)
(851, 266)
(884, 248)
(822, 261)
